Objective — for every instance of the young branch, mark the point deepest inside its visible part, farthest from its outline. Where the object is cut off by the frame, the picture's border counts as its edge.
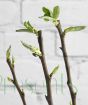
(45, 70)
(15, 82)
(65, 56)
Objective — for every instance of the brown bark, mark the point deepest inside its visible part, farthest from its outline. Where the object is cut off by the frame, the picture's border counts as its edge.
(45, 70)
(15, 82)
(67, 66)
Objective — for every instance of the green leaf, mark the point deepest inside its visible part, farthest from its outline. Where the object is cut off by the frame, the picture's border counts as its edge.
(9, 79)
(54, 71)
(29, 24)
(49, 15)
(28, 28)
(47, 18)
(35, 51)
(56, 12)
(22, 30)
(13, 61)
(46, 11)
(8, 52)
(76, 28)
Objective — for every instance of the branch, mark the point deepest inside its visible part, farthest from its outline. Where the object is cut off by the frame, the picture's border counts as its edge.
(67, 66)
(14, 81)
(45, 70)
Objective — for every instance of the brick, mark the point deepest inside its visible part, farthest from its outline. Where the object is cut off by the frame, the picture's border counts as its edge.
(71, 12)
(25, 71)
(14, 39)
(4, 96)
(82, 81)
(31, 15)
(32, 10)
(75, 44)
(2, 42)
(8, 12)
(18, 50)
(49, 42)
(27, 67)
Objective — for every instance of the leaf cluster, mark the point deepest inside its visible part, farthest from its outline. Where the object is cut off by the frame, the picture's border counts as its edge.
(28, 28)
(10, 59)
(35, 51)
(51, 15)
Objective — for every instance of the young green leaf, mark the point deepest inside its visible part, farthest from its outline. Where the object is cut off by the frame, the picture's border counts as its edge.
(13, 61)
(8, 53)
(56, 11)
(47, 18)
(76, 28)
(35, 51)
(9, 79)
(27, 24)
(49, 15)
(54, 71)
(9, 58)
(46, 11)
(22, 30)
(28, 28)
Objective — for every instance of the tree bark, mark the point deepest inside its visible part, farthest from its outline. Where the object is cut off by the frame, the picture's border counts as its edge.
(15, 82)
(45, 70)
(67, 66)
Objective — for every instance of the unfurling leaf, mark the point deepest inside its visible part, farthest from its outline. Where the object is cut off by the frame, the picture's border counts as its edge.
(76, 28)
(27, 24)
(47, 18)
(56, 12)
(9, 79)
(8, 53)
(28, 28)
(13, 61)
(54, 71)
(10, 60)
(22, 30)
(35, 51)
(46, 11)
(51, 15)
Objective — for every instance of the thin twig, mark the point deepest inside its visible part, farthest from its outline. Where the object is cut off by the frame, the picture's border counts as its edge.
(45, 70)
(65, 56)
(15, 82)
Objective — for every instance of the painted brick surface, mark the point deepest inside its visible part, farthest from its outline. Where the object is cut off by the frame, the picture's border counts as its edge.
(28, 69)
(8, 12)
(2, 45)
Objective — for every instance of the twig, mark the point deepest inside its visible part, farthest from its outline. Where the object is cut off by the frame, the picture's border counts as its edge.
(45, 70)
(15, 82)
(65, 56)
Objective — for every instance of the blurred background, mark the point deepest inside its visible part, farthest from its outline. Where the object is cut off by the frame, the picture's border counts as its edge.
(28, 68)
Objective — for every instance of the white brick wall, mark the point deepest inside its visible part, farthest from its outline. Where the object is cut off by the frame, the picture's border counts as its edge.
(12, 15)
